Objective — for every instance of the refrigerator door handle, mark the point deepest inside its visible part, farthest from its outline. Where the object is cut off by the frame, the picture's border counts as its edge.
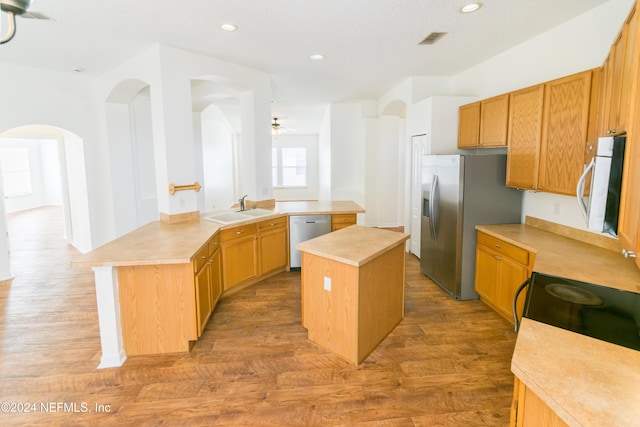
(434, 204)
(580, 188)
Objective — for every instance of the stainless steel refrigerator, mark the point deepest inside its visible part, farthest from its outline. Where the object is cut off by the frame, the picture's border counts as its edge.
(458, 193)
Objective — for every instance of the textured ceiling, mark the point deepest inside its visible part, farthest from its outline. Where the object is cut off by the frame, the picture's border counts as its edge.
(370, 45)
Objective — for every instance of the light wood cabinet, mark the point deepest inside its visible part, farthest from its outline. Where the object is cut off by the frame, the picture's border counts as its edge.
(500, 269)
(618, 72)
(629, 219)
(564, 133)
(525, 132)
(469, 125)
(528, 410)
(494, 113)
(163, 307)
(272, 245)
(239, 255)
(549, 136)
(339, 221)
(484, 124)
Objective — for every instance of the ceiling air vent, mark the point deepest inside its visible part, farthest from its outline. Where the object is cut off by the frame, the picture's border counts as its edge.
(432, 38)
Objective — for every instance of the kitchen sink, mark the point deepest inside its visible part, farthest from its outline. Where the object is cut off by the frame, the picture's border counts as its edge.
(257, 212)
(228, 217)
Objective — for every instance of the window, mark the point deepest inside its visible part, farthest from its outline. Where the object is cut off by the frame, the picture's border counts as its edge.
(16, 173)
(289, 166)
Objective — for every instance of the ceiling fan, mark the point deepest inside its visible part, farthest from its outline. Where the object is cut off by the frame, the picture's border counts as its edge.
(15, 8)
(277, 129)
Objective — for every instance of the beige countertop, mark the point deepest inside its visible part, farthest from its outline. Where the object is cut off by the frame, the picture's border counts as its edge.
(586, 381)
(354, 245)
(161, 243)
(566, 257)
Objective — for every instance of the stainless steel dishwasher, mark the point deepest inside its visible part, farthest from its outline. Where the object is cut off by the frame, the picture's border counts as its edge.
(302, 228)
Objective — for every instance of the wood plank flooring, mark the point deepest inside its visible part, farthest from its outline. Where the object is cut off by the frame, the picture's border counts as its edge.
(447, 363)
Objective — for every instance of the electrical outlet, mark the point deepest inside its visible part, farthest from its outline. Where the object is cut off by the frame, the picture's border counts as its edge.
(327, 284)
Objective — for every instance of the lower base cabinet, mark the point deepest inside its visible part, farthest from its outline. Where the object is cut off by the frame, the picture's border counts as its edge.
(500, 269)
(528, 410)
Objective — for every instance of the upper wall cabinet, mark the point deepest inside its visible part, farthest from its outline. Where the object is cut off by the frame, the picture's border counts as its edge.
(525, 129)
(548, 126)
(617, 70)
(469, 125)
(483, 124)
(629, 220)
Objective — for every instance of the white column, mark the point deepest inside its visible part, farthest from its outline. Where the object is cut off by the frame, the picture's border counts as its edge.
(5, 262)
(108, 299)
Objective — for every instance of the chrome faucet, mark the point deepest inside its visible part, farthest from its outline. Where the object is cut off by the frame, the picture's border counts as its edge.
(241, 200)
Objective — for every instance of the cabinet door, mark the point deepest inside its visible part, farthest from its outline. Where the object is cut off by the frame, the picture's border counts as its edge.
(510, 276)
(628, 73)
(564, 133)
(494, 114)
(615, 69)
(525, 129)
(532, 411)
(273, 250)
(239, 261)
(486, 274)
(469, 125)
(203, 297)
(216, 278)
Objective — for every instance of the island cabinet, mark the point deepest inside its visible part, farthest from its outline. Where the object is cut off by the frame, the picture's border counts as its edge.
(352, 289)
(483, 124)
(549, 126)
(500, 269)
(528, 410)
(164, 307)
(340, 221)
(239, 255)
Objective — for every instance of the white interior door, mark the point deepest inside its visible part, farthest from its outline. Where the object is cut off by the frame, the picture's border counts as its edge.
(419, 144)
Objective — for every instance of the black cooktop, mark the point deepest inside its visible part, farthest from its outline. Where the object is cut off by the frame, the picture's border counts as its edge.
(600, 312)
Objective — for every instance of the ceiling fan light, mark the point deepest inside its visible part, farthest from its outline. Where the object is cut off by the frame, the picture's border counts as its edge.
(229, 27)
(471, 7)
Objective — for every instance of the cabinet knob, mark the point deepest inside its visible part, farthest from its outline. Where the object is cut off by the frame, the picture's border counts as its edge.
(611, 131)
(498, 245)
(238, 232)
(628, 254)
(497, 257)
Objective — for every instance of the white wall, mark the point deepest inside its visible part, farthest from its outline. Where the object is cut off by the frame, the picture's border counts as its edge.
(311, 191)
(580, 44)
(347, 152)
(67, 101)
(44, 164)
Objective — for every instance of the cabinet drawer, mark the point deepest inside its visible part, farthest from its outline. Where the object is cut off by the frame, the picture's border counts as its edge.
(338, 219)
(238, 232)
(214, 244)
(507, 249)
(200, 259)
(272, 223)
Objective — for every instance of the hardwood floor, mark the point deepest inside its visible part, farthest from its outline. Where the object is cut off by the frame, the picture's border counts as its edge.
(447, 363)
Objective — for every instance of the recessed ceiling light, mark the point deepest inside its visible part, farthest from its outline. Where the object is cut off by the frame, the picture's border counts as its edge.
(229, 27)
(471, 7)
(317, 56)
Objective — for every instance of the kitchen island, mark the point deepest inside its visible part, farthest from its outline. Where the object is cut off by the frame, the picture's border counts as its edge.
(157, 285)
(352, 289)
(580, 380)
